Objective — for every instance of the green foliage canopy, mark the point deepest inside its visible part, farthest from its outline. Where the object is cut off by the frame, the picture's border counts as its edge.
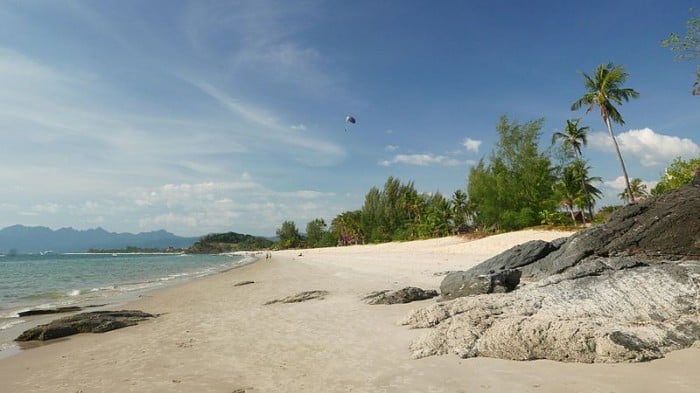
(228, 242)
(688, 46)
(288, 235)
(511, 190)
(678, 174)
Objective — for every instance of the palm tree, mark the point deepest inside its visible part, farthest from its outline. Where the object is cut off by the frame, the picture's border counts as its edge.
(590, 192)
(603, 90)
(639, 189)
(574, 137)
(459, 209)
(568, 191)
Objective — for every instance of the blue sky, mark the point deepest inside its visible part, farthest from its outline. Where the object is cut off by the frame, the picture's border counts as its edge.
(207, 116)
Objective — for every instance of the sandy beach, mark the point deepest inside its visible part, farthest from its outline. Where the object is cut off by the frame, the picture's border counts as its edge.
(213, 336)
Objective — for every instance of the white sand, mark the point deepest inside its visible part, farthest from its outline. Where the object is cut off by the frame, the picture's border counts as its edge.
(215, 337)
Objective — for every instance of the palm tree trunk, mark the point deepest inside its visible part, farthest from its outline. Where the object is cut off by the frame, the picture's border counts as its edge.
(619, 157)
(573, 216)
(585, 193)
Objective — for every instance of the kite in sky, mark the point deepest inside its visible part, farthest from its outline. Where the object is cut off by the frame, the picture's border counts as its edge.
(349, 119)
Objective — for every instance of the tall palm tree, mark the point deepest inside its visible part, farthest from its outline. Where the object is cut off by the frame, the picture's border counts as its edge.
(574, 137)
(603, 90)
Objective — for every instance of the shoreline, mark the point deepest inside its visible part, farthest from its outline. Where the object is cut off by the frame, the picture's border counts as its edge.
(13, 326)
(212, 336)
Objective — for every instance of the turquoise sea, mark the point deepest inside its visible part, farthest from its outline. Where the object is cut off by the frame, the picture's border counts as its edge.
(58, 280)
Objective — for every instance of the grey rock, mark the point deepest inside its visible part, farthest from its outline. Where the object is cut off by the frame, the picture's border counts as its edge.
(300, 297)
(627, 290)
(404, 295)
(468, 283)
(497, 274)
(89, 322)
(621, 315)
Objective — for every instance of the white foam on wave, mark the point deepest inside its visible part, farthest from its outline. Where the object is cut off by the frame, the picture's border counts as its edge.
(12, 314)
(107, 288)
(137, 286)
(75, 292)
(174, 276)
(8, 324)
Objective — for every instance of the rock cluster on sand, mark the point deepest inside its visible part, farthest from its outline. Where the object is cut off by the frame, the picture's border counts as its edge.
(627, 290)
(88, 322)
(403, 295)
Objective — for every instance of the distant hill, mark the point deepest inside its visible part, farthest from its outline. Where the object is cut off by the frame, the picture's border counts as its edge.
(227, 242)
(25, 240)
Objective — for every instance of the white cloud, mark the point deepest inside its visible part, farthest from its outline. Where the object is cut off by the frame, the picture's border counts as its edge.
(422, 160)
(299, 127)
(391, 148)
(651, 148)
(471, 144)
(618, 184)
(50, 208)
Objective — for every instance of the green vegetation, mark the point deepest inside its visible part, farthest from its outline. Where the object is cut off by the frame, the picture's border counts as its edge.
(687, 47)
(228, 242)
(603, 90)
(573, 138)
(288, 235)
(678, 174)
(511, 190)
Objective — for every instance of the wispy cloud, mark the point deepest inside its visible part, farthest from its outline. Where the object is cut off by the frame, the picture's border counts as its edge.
(650, 147)
(422, 160)
(273, 131)
(264, 44)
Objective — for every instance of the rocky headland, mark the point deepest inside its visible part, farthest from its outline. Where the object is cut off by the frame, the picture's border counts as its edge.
(626, 290)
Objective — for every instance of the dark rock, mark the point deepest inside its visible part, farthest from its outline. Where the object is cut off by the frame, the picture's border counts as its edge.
(404, 295)
(49, 311)
(647, 232)
(458, 284)
(239, 284)
(89, 322)
(497, 274)
(300, 297)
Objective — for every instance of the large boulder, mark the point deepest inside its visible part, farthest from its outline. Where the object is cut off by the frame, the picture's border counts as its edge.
(627, 290)
(497, 274)
(88, 322)
(403, 295)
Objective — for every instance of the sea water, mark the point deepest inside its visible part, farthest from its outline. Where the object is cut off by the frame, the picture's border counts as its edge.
(50, 281)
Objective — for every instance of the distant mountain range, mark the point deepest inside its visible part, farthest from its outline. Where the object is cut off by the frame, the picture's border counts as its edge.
(26, 240)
